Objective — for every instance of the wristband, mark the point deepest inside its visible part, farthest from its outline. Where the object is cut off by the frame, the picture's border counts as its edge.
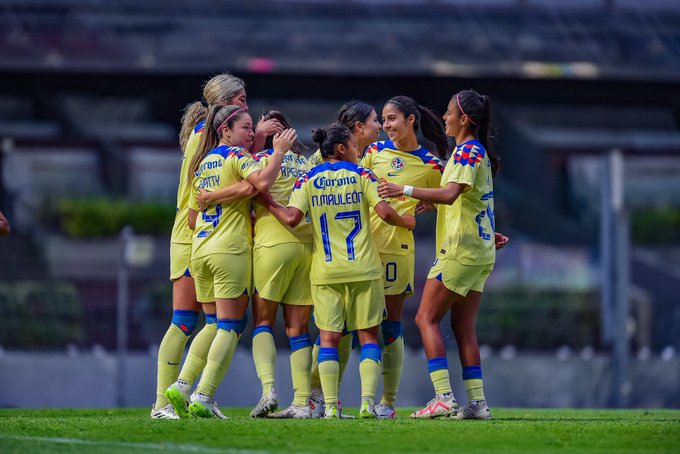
(408, 191)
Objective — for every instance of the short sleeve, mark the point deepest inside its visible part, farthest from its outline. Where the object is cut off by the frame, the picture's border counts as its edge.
(299, 198)
(370, 187)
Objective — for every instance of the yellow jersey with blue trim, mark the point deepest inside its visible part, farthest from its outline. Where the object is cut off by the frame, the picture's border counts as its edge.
(417, 168)
(268, 230)
(181, 233)
(224, 227)
(316, 159)
(465, 230)
(338, 197)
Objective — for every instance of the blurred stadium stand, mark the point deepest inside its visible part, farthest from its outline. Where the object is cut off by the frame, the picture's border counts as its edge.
(91, 95)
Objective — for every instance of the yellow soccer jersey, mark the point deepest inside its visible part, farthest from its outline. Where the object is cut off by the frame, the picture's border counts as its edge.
(465, 230)
(225, 227)
(416, 168)
(181, 233)
(338, 197)
(316, 159)
(268, 230)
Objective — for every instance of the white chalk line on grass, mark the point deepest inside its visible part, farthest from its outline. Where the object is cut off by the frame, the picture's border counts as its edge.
(129, 445)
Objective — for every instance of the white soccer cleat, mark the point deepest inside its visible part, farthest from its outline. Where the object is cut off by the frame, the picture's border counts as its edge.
(268, 403)
(203, 406)
(292, 412)
(385, 411)
(442, 406)
(475, 409)
(167, 412)
(317, 404)
(178, 396)
(367, 409)
(331, 412)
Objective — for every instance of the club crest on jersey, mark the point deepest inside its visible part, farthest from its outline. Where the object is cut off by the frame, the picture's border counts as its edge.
(398, 163)
(468, 154)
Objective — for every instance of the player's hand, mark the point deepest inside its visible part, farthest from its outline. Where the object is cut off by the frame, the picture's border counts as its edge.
(265, 199)
(424, 207)
(269, 127)
(285, 140)
(410, 221)
(501, 241)
(386, 190)
(203, 199)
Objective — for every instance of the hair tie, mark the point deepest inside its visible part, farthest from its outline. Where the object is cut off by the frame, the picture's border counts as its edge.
(240, 109)
(463, 112)
(204, 103)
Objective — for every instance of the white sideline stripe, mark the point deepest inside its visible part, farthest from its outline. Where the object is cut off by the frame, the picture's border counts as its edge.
(116, 444)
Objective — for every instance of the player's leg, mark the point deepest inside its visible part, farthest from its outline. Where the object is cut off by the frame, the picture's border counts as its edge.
(317, 400)
(434, 305)
(264, 354)
(297, 319)
(185, 315)
(365, 311)
(463, 322)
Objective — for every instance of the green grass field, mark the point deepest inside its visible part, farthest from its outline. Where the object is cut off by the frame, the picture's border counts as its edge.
(511, 430)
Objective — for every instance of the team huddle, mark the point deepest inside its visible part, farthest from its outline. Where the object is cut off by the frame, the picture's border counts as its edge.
(327, 238)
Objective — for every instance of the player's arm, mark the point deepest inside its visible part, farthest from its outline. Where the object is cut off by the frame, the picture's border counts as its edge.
(446, 195)
(4, 225)
(387, 214)
(289, 216)
(263, 179)
(193, 214)
(233, 192)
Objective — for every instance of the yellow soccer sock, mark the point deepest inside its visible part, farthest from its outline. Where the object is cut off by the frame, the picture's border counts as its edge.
(369, 370)
(344, 352)
(472, 379)
(219, 358)
(169, 356)
(392, 361)
(300, 364)
(316, 381)
(439, 373)
(264, 356)
(198, 353)
(329, 373)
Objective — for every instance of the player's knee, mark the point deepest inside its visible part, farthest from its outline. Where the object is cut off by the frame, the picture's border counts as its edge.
(185, 320)
(391, 331)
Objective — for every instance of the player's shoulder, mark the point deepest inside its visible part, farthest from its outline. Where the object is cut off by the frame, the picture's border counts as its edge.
(379, 147)
(263, 154)
(468, 153)
(199, 127)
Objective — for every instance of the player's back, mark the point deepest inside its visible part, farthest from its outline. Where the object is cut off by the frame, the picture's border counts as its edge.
(339, 197)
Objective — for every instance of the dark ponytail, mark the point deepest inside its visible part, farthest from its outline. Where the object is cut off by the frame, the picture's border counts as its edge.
(478, 109)
(427, 119)
(328, 138)
(297, 147)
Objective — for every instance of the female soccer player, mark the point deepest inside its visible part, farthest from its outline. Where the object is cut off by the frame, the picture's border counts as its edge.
(346, 272)
(465, 254)
(282, 257)
(360, 118)
(401, 160)
(221, 90)
(221, 246)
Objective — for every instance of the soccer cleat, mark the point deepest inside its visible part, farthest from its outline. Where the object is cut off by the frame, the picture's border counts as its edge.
(292, 412)
(317, 404)
(341, 414)
(367, 409)
(268, 403)
(475, 409)
(167, 412)
(385, 411)
(442, 406)
(203, 406)
(178, 396)
(331, 412)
